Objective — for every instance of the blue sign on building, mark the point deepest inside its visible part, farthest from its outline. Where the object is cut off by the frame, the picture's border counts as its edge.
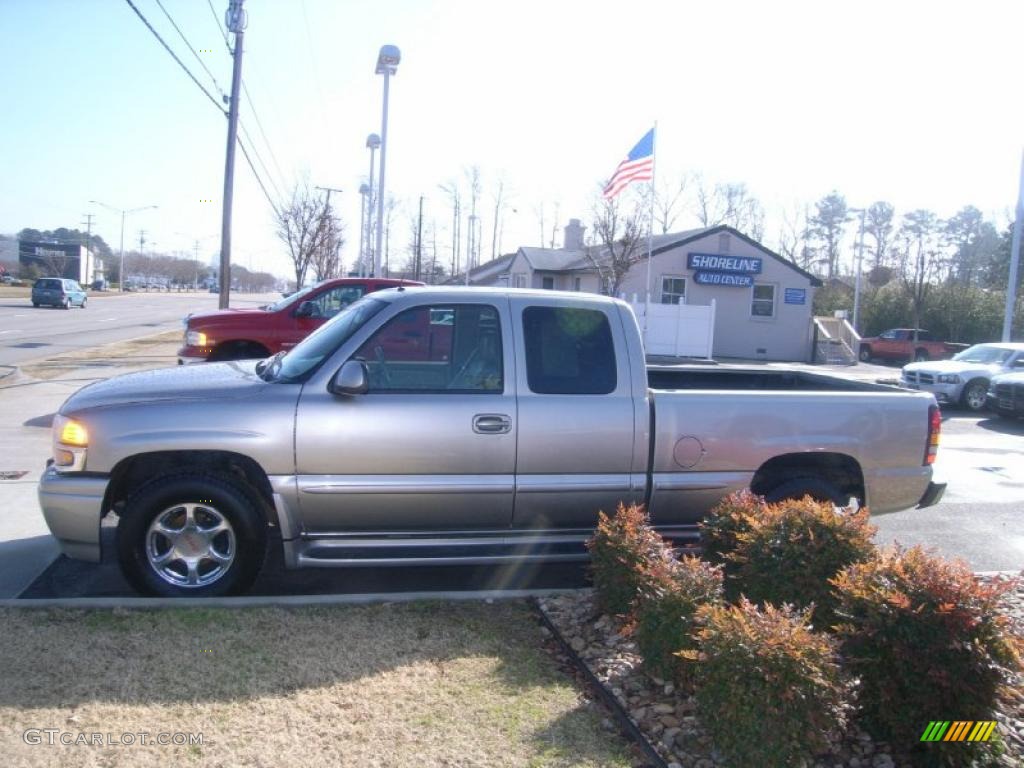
(723, 278)
(715, 262)
(796, 295)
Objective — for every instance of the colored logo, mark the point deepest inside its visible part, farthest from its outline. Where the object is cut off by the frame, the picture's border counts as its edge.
(958, 730)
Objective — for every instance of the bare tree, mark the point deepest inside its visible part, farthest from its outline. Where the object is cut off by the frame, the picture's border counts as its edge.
(793, 235)
(619, 232)
(300, 225)
(919, 257)
(451, 188)
(473, 244)
(554, 226)
(731, 204)
(390, 205)
(878, 225)
(499, 213)
(669, 201)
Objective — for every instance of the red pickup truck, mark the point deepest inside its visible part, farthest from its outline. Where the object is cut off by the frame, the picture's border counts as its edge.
(900, 344)
(237, 334)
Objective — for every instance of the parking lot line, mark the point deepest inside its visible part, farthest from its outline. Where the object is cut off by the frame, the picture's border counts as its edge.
(107, 319)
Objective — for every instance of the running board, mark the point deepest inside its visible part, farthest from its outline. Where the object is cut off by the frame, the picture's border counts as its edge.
(354, 552)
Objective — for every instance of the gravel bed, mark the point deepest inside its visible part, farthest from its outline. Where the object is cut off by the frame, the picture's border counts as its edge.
(668, 717)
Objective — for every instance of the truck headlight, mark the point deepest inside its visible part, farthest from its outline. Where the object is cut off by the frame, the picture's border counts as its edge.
(70, 439)
(195, 338)
(948, 378)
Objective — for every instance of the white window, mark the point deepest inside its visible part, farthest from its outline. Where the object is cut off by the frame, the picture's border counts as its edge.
(520, 279)
(762, 303)
(548, 283)
(576, 283)
(673, 290)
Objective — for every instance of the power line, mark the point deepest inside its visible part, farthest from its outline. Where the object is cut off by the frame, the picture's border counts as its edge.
(189, 45)
(175, 57)
(258, 179)
(263, 165)
(223, 32)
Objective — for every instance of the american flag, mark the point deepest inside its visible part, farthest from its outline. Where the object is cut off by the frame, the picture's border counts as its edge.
(638, 166)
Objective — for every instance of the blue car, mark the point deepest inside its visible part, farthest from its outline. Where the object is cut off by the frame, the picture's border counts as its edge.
(58, 292)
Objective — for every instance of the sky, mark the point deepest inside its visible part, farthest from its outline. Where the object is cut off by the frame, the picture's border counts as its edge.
(912, 102)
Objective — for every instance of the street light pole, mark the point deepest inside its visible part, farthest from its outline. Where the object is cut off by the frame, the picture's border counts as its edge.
(235, 20)
(372, 142)
(387, 65)
(860, 262)
(123, 212)
(1011, 288)
(364, 190)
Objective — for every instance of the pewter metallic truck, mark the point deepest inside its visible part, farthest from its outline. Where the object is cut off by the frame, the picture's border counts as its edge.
(427, 426)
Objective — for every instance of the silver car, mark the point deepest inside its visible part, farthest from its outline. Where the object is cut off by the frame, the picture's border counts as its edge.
(963, 381)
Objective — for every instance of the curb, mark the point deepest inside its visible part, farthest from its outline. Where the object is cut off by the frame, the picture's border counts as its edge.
(258, 601)
(607, 697)
(9, 372)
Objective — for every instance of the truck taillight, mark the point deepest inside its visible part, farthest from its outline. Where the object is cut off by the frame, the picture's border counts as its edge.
(931, 448)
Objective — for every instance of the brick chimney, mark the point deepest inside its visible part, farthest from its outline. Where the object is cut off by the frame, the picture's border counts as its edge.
(574, 235)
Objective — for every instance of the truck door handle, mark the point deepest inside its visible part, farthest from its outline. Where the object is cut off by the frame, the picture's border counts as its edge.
(492, 424)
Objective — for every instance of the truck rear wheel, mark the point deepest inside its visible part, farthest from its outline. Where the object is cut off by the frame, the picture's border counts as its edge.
(920, 355)
(865, 354)
(191, 536)
(816, 488)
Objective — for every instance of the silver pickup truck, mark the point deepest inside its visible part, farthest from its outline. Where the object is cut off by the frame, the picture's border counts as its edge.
(449, 426)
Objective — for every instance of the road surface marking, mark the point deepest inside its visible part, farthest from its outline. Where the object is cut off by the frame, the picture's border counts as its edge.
(12, 330)
(107, 319)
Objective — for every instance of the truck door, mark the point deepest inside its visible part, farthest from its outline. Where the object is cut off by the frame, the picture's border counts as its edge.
(576, 414)
(431, 446)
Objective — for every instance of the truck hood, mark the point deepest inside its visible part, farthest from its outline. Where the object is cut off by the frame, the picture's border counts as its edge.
(218, 316)
(1017, 377)
(952, 366)
(208, 381)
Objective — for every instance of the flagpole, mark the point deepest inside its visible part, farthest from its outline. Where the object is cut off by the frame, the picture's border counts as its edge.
(650, 227)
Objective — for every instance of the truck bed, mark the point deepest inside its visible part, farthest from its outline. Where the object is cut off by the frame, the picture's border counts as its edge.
(662, 377)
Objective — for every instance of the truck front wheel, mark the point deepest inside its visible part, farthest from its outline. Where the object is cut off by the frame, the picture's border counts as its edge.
(191, 536)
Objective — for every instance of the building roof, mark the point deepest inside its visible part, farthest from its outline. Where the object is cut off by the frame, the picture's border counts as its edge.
(555, 259)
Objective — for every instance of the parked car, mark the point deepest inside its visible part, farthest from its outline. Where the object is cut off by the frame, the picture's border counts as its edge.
(239, 334)
(496, 438)
(58, 292)
(901, 345)
(6, 279)
(1005, 395)
(964, 380)
(100, 285)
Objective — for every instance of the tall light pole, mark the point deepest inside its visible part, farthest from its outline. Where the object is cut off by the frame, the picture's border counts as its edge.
(387, 65)
(235, 20)
(123, 212)
(1011, 288)
(372, 143)
(860, 262)
(364, 191)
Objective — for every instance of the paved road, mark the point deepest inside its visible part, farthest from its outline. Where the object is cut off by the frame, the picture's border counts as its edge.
(27, 333)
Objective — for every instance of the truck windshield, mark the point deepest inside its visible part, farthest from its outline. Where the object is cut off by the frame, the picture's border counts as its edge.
(986, 354)
(297, 296)
(320, 344)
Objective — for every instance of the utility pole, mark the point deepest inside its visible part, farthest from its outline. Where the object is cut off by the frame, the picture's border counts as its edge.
(235, 20)
(419, 242)
(1011, 288)
(88, 244)
(329, 245)
(195, 251)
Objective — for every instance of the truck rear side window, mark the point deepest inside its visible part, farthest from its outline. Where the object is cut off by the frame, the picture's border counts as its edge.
(568, 351)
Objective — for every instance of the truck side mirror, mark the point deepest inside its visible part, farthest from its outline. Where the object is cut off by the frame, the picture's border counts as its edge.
(352, 379)
(306, 309)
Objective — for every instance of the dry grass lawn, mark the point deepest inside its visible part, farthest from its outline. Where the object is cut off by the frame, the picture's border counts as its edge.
(156, 351)
(438, 684)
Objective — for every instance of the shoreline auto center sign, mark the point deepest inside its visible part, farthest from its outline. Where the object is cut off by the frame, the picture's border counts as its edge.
(717, 269)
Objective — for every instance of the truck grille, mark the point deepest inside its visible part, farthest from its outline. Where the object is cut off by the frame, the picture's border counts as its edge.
(1010, 392)
(913, 377)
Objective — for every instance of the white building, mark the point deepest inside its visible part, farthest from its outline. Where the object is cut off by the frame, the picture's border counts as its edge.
(763, 303)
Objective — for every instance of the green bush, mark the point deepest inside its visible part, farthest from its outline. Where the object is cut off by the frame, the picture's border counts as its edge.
(791, 549)
(669, 594)
(928, 643)
(621, 545)
(729, 518)
(769, 689)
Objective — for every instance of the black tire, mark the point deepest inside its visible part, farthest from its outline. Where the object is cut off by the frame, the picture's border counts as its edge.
(815, 487)
(921, 355)
(83, 303)
(973, 396)
(35, 304)
(235, 503)
(865, 354)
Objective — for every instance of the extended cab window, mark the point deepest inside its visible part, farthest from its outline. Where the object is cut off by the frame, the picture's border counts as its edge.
(441, 348)
(568, 351)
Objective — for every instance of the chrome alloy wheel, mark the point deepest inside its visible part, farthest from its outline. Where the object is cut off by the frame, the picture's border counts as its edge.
(190, 545)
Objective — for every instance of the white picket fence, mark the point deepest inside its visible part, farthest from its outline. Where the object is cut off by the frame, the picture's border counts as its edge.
(677, 330)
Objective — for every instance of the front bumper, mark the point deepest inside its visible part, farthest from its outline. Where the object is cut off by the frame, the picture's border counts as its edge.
(932, 495)
(945, 394)
(188, 355)
(72, 505)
